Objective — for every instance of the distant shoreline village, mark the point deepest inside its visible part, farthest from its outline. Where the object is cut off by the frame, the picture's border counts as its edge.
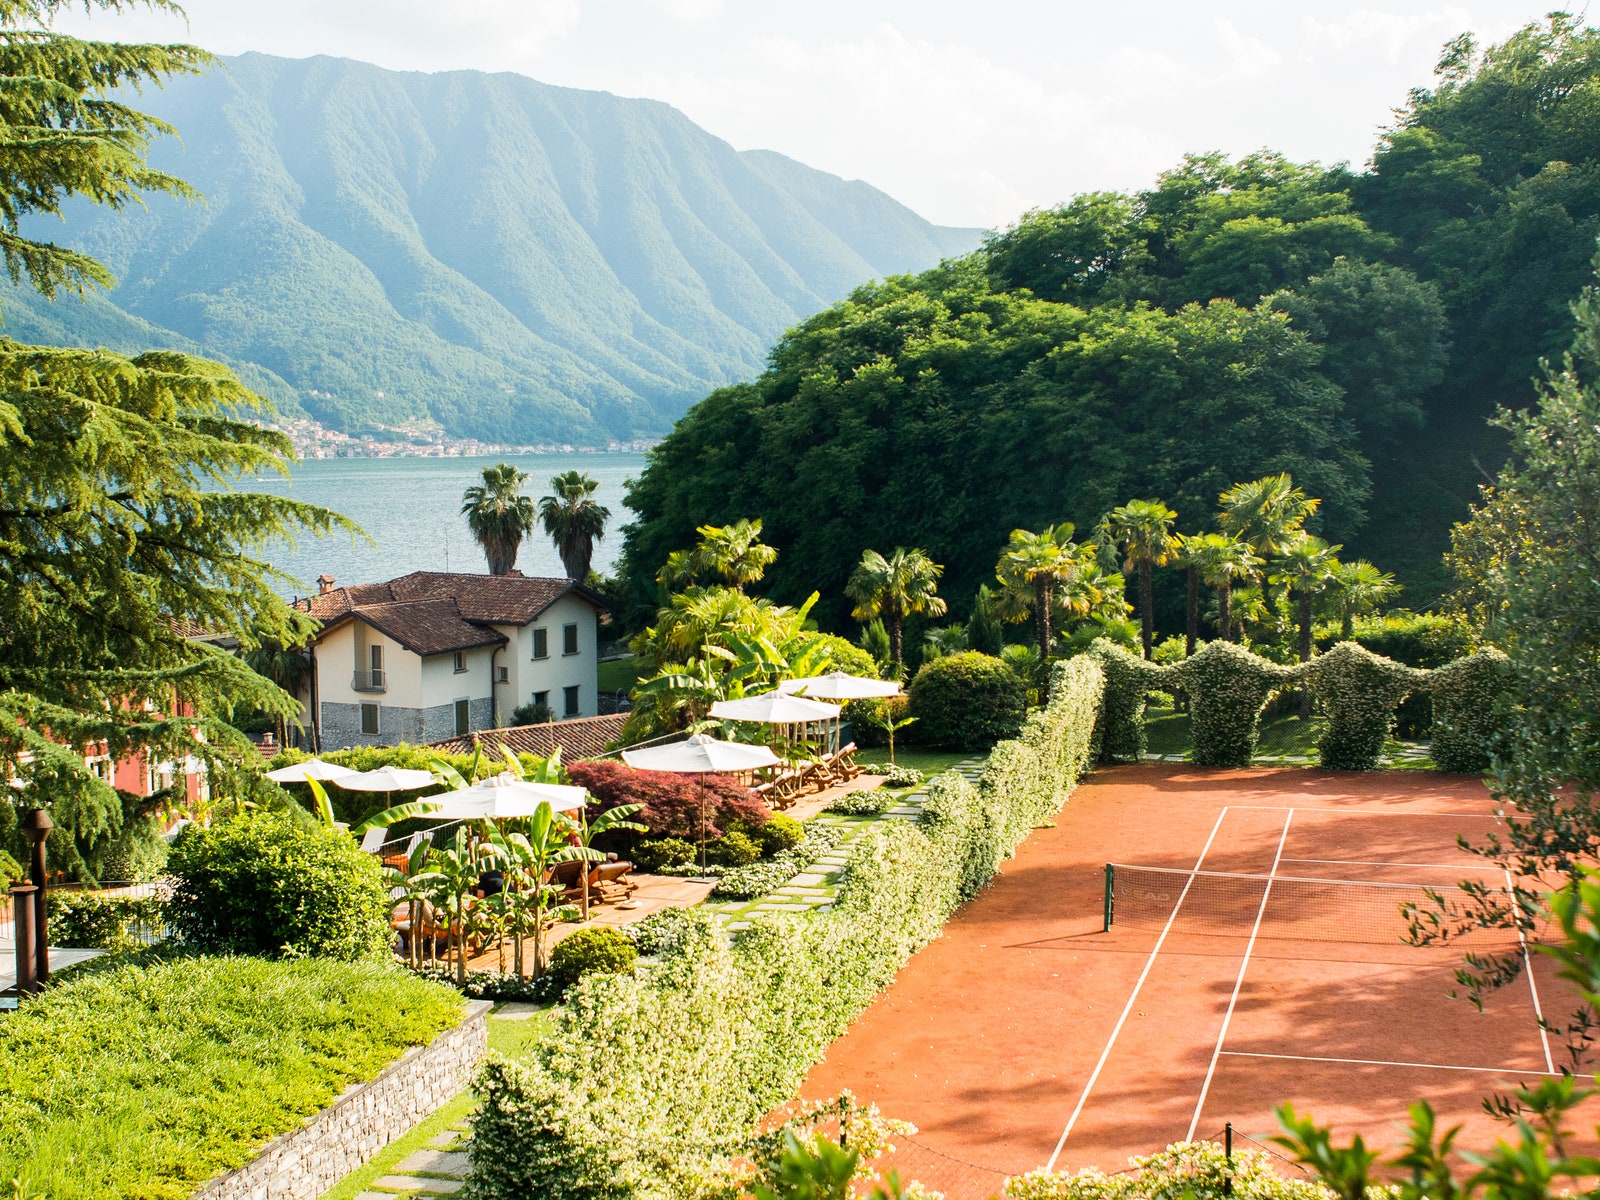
(312, 439)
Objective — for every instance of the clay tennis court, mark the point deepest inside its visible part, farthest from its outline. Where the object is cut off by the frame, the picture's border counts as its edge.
(1029, 1035)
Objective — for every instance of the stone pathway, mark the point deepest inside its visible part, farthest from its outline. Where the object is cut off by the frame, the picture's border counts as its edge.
(814, 888)
(438, 1170)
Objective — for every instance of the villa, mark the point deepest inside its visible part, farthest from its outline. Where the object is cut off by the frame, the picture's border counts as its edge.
(435, 655)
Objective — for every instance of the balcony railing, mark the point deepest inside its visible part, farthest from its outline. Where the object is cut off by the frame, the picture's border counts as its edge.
(371, 681)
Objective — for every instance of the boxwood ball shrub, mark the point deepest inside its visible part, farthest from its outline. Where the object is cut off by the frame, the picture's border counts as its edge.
(781, 832)
(656, 854)
(596, 948)
(264, 885)
(967, 701)
(736, 849)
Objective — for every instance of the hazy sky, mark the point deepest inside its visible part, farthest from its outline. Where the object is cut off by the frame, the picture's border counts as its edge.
(968, 112)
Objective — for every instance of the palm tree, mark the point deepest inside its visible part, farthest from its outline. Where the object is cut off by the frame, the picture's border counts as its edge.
(574, 521)
(951, 639)
(1220, 562)
(1142, 529)
(734, 552)
(1361, 588)
(1306, 565)
(499, 515)
(893, 589)
(1269, 514)
(1031, 568)
(1190, 555)
(285, 666)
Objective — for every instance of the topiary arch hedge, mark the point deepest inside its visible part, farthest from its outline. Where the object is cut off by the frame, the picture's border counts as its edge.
(1228, 687)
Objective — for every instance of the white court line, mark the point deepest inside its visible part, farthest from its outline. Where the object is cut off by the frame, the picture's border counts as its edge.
(1134, 995)
(1533, 988)
(1384, 1062)
(1238, 983)
(1362, 862)
(1361, 812)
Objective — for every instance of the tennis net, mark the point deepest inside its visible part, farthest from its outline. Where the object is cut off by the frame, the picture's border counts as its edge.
(1334, 910)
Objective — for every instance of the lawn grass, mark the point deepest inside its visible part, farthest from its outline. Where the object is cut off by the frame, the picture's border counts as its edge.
(929, 762)
(619, 674)
(142, 1081)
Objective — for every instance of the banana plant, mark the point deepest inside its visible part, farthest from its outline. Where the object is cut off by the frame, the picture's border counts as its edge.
(322, 808)
(529, 857)
(453, 874)
(606, 822)
(405, 882)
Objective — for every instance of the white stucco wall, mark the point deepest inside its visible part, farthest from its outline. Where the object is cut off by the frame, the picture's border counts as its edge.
(527, 675)
(343, 652)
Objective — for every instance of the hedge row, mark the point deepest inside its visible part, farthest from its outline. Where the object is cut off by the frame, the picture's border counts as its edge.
(649, 1084)
(1228, 687)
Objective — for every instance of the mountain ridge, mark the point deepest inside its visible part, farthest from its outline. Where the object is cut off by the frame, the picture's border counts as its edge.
(514, 260)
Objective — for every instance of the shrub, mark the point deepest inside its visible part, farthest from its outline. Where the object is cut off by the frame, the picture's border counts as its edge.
(1359, 692)
(90, 921)
(1120, 734)
(968, 701)
(735, 849)
(10, 871)
(858, 713)
(597, 948)
(648, 1085)
(672, 802)
(782, 832)
(759, 878)
(653, 856)
(532, 714)
(848, 657)
(1468, 710)
(896, 776)
(666, 931)
(863, 804)
(1198, 1170)
(261, 884)
(1228, 687)
(146, 1079)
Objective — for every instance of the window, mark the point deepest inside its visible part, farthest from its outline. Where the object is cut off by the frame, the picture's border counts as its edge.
(505, 674)
(569, 639)
(541, 642)
(569, 698)
(463, 717)
(375, 657)
(541, 699)
(460, 661)
(369, 718)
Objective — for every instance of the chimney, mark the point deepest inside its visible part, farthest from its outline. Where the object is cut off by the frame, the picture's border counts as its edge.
(325, 583)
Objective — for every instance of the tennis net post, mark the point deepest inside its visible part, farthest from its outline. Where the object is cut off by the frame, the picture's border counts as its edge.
(1111, 892)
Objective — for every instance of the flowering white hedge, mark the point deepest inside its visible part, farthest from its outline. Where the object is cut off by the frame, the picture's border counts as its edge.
(1359, 691)
(1191, 1169)
(648, 1085)
(1466, 713)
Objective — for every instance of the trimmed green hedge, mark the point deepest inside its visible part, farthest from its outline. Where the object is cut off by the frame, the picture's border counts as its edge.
(1467, 698)
(967, 701)
(144, 1081)
(1196, 1170)
(648, 1085)
(1359, 692)
(91, 921)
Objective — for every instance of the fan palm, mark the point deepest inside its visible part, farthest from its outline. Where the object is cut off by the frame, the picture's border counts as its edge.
(574, 520)
(1031, 568)
(1221, 562)
(734, 552)
(1142, 530)
(894, 588)
(1361, 588)
(1307, 565)
(286, 666)
(1269, 514)
(499, 515)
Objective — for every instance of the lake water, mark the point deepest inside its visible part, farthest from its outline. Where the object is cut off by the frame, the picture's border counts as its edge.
(411, 508)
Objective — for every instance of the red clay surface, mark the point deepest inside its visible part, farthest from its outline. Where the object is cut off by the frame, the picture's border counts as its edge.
(1011, 1041)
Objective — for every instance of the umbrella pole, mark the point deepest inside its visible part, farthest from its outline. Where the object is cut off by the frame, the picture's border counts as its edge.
(702, 823)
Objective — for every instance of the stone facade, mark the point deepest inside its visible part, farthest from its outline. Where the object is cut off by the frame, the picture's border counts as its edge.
(341, 723)
(305, 1162)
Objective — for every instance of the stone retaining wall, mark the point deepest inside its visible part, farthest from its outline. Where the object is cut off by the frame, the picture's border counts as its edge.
(305, 1162)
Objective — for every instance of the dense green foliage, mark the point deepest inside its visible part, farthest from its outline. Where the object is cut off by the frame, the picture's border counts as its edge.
(648, 1084)
(1359, 692)
(262, 883)
(1467, 721)
(391, 247)
(966, 701)
(1197, 1170)
(1233, 320)
(593, 948)
(94, 921)
(142, 1082)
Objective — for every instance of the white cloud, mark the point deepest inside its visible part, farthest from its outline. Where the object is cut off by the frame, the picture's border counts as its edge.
(1391, 32)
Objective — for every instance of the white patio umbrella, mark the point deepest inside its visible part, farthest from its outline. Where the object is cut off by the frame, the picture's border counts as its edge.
(775, 708)
(837, 685)
(503, 796)
(312, 768)
(387, 779)
(701, 755)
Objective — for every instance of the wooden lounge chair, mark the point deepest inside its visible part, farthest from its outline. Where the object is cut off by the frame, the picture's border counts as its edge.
(844, 763)
(568, 876)
(611, 881)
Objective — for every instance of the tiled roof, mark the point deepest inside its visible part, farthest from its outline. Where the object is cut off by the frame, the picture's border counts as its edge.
(491, 599)
(425, 626)
(581, 737)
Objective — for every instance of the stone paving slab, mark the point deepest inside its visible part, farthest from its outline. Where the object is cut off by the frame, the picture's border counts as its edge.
(436, 1162)
(415, 1183)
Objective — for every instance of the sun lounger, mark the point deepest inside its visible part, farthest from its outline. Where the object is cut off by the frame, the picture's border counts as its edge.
(612, 881)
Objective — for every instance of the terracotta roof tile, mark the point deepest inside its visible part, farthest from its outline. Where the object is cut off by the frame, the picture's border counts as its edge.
(492, 599)
(425, 626)
(581, 737)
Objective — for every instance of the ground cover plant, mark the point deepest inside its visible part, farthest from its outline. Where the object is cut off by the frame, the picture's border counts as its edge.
(648, 1084)
(143, 1081)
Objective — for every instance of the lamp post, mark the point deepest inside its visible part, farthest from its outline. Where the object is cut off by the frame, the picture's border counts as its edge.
(36, 824)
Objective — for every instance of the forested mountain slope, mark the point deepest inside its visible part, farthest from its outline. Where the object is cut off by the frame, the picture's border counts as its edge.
(1235, 319)
(514, 260)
